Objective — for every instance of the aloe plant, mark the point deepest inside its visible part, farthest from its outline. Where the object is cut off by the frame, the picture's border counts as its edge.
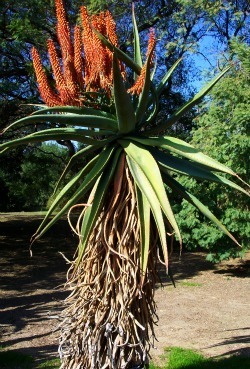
(123, 191)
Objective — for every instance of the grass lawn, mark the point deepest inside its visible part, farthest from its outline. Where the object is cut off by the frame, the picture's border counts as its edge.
(179, 358)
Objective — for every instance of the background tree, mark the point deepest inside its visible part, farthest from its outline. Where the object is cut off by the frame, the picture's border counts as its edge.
(222, 130)
(26, 184)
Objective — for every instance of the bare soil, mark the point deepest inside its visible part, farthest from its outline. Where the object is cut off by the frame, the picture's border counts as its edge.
(208, 310)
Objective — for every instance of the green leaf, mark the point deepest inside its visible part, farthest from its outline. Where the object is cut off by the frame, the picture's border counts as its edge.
(66, 190)
(90, 121)
(157, 91)
(123, 104)
(75, 110)
(73, 160)
(184, 149)
(87, 183)
(144, 97)
(55, 134)
(153, 105)
(144, 218)
(186, 167)
(186, 107)
(93, 211)
(165, 79)
(178, 188)
(73, 131)
(151, 170)
(148, 191)
(137, 46)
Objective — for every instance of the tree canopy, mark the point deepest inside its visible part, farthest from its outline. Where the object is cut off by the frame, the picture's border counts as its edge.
(224, 123)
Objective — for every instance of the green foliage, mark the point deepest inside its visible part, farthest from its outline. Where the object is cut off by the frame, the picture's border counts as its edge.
(50, 364)
(181, 358)
(222, 131)
(31, 181)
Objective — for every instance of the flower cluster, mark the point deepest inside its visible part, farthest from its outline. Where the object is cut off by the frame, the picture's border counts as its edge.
(86, 63)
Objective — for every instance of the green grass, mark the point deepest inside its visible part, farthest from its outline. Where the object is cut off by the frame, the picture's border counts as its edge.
(190, 284)
(50, 364)
(179, 358)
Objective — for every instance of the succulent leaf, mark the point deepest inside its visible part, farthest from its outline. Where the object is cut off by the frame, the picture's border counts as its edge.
(123, 104)
(191, 103)
(87, 183)
(186, 167)
(144, 97)
(84, 110)
(137, 46)
(90, 121)
(149, 166)
(146, 188)
(144, 218)
(165, 78)
(184, 149)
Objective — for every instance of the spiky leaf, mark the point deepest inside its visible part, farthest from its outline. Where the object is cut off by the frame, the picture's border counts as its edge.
(86, 184)
(184, 149)
(186, 107)
(144, 219)
(123, 104)
(183, 166)
(90, 121)
(148, 191)
(151, 170)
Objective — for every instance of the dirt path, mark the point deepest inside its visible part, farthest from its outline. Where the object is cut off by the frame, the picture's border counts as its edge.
(208, 310)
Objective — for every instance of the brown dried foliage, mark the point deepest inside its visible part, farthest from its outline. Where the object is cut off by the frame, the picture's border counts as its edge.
(109, 316)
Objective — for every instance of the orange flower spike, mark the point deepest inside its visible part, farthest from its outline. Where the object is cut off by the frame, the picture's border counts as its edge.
(100, 72)
(63, 34)
(110, 33)
(78, 58)
(87, 40)
(136, 89)
(112, 36)
(111, 28)
(63, 30)
(151, 44)
(58, 76)
(47, 94)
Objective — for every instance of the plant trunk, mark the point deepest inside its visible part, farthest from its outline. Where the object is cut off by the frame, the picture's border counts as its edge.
(110, 314)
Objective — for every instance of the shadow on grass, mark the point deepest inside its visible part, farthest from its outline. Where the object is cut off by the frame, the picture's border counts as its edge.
(15, 360)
